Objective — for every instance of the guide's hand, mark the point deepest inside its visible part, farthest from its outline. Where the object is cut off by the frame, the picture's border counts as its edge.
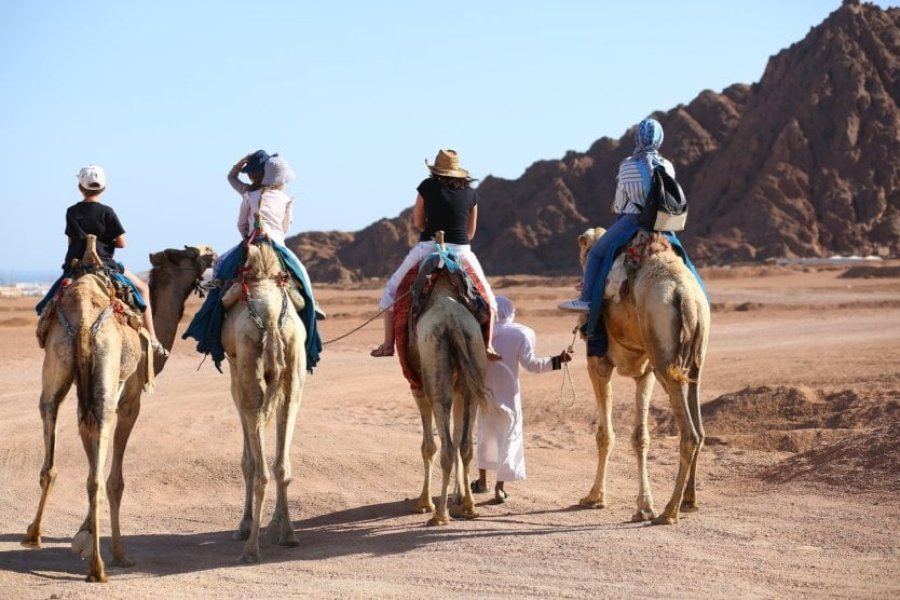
(565, 357)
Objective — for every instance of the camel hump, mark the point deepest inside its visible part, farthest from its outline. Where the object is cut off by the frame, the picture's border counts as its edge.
(91, 258)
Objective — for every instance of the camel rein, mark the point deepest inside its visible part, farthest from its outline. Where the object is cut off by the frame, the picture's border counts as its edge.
(378, 314)
(567, 375)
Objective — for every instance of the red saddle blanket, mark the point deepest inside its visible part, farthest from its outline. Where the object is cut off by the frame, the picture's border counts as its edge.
(402, 307)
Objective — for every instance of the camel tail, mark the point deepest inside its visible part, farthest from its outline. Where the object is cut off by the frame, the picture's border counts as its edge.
(88, 420)
(693, 339)
(273, 361)
(462, 350)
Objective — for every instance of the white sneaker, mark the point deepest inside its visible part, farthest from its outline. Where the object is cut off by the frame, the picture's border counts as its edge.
(577, 305)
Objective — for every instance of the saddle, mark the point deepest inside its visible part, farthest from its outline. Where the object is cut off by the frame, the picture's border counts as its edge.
(123, 302)
(628, 260)
(415, 290)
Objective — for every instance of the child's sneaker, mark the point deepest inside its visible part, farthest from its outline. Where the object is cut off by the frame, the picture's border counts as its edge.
(578, 305)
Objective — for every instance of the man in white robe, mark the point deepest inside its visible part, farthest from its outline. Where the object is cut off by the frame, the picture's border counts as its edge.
(501, 446)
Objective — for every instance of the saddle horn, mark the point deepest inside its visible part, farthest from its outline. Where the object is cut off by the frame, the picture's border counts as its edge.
(91, 258)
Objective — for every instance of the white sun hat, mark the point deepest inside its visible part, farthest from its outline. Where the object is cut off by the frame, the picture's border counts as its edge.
(92, 177)
(277, 171)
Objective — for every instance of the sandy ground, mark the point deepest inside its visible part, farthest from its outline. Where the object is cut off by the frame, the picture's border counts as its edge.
(798, 483)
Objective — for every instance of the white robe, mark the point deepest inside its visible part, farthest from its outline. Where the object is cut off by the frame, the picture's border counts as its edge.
(501, 447)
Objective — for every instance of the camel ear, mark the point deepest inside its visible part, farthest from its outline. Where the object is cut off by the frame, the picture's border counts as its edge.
(156, 259)
(192, 252)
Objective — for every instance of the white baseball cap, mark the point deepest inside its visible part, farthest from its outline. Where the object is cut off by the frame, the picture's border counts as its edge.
(92, 177)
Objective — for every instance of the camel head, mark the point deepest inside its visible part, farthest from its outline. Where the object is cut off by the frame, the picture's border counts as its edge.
(188, 265)
(586, 241)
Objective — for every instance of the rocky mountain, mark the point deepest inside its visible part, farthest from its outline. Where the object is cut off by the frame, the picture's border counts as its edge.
(801, 164)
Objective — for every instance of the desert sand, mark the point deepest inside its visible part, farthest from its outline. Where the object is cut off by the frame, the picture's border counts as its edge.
(798, 481)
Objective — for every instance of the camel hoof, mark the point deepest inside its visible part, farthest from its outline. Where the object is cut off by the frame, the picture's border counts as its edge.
(438, 521)
(690, 506)
(241, 535)
(125, 561)
(82, 544)
(288, 540)
(643, 515)
(664, 520)
(589, 502)
(424, 507)
(470, 513)
(32, 537)
(249, 558)
(97, 577)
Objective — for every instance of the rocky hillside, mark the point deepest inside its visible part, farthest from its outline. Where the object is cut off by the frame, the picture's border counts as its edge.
(801, 164)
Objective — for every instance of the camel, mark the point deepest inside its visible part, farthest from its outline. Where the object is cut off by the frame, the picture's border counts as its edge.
(89, 342)
(658, 330)
(446, 349)
(264, 341)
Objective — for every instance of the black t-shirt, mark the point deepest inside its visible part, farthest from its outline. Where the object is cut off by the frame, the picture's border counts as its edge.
(447, 209)
(94, 218)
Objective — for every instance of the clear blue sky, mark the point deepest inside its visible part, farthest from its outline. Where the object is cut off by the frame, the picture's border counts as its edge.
(167, 95)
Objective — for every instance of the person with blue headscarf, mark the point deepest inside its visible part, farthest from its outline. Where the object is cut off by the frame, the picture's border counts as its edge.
(632, 186)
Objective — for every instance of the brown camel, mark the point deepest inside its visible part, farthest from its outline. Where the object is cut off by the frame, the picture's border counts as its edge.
(89, 344)
(658, 329)
(446, 349)
(264, 340)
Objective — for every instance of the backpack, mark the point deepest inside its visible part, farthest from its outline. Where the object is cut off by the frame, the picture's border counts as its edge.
(665, 208)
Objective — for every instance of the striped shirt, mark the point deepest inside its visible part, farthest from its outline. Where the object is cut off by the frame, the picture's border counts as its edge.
(630, 192)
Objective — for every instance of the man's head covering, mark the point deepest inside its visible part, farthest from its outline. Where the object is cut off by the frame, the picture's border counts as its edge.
(506, 310)
(277, 171)
(648, 136)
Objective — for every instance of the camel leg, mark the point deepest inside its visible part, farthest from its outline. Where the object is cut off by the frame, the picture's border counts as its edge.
(127, 414)
(687, 447)
(243, 530)
(256, 427)
(690, 503)
(53, 393)
(466, 452)
(600, 371)
(442, 418)
(280, 529)
(640, 442)
(424, 503)
(95, 440)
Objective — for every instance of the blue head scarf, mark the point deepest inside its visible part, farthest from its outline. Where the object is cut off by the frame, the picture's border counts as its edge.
(648, 137)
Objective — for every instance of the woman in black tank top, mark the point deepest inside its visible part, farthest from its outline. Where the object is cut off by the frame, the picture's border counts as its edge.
(445, 202)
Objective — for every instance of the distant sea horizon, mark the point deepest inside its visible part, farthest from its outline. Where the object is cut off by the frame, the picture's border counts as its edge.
(14, 276)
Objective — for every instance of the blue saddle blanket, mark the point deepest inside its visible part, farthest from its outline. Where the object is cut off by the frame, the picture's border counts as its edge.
(206, 326)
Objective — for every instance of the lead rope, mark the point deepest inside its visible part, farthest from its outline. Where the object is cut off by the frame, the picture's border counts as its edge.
(567, 375)
(378, 314)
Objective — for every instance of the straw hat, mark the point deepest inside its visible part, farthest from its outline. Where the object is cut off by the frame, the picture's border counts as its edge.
(446, 163)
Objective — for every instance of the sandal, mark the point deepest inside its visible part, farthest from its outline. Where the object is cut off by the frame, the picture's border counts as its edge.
(381, 350)
(477, 487)
(500, 496)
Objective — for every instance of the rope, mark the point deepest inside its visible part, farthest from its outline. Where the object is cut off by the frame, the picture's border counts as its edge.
(378, 314)
(567, 375)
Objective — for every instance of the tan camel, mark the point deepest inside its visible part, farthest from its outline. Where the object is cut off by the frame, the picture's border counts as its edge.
(264, 340)
(446, 348)
(88, 344)
(659, 328)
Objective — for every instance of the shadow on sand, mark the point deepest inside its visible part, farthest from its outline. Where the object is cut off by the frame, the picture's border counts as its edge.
(376, 529)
